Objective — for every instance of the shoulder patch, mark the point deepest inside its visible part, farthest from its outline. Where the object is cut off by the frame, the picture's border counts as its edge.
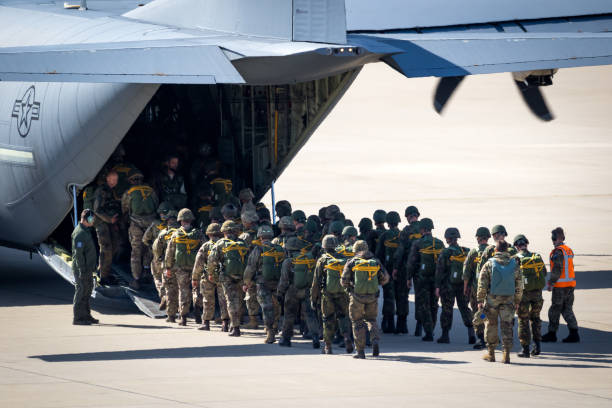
(79, 244)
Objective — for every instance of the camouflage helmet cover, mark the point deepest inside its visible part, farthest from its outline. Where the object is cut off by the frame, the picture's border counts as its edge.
(499, 229)
(336, 227)
(293, 244)
(213, 229)
(349, 231)
(330, 242)
(185, 215)
(249, 217)
(286, 222)
(246, 194)
(518, 238)
(229, 210)
(360, 246)
(229, 226)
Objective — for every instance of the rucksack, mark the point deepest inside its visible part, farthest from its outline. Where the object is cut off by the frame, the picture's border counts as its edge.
(234, 260)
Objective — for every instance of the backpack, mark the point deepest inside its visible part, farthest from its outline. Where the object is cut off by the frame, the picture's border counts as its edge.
(430, 250)
(366, 276)
(234, 259)
(502, 277)
(272, 258)
(534, 275)
(141, 201)
(334, 268)
(187, 245)
(457, 258)
(303, 270)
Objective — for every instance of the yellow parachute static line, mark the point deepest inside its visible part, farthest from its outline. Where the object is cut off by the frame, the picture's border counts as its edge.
(300, 260)
(227, 184)
(189, 243)
(145, 191)
(416, 235)
(364, 267)
(392, 243)
(277, 255)
(534, 263)
(459, 258)
(235, 246)
(431, 250)
(205, 208)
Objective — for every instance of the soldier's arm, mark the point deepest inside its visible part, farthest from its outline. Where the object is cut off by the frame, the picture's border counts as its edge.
(484, 283)
(413, 261)
(155, 198)
(315, 290)
(400, 252)
(125, 203)
(557, 269)
(78, 253)
(251, 267)
(170, 252)
(468, 266)
(200, 263)
(98, 202)
(441, 268)
(150, 234)
(518, 285)
(214, 259)
(285, 278)
(383, 275)
(380, 247)
(484, 258)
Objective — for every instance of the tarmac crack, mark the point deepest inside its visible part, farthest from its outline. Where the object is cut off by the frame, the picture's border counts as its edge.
(104, 387)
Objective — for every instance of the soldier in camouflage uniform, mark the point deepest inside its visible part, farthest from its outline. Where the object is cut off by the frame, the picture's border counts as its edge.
(335, 228)
(379, 217)
(180, 258)
(287, 230)
(297, 272)
(421, 267)
(249, 236)
(407, 236)
(449, 285)
(283, 209)
(365, 226)
(362, 276)
(500, 288)
(168, 284)
(199, 278)
(226, 263)
(165, 212)
(327, 288)
(388, 243)
(562, 283)
(83, 266)
(107, 210)
(533, 270)
(349, 237)
(140, 203)
(470, 282)
(264, 269)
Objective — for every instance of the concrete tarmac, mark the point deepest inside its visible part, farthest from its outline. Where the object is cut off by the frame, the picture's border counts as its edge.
(485, 162)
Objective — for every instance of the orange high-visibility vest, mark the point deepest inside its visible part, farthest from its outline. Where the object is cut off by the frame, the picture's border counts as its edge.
(568, 278)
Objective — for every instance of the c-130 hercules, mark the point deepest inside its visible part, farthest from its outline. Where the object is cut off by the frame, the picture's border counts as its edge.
(263, 74)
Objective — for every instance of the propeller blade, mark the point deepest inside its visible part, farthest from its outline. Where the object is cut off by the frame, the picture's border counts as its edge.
(535, 100)
(444, 90)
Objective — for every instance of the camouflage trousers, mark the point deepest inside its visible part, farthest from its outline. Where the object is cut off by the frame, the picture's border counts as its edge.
(499, 308)
(208, 290)
(252, 304)
(82, 294)
(477, 322)
(196, 297)
(529, 312)
(140, 254)
(335, 315)
(427, 304)
(232, 291)
(108, 240)
(294, 298)
(157, 272)
(270, 307)
(363, 310)
(395, 295)
(183, 282)
(172, 295)
(562, 304)
(447, 298)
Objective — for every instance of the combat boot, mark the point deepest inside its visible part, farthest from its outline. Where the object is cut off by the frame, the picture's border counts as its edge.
(418, 330)
(197, 314)
(225, 325)
(84, 322)
(328, 348)
(135, 284)
(270, 338)
(218, 320)
(252, 324)
(171, 319)
(163, 303)
(525, 352)
(471, 335)
(234, 332)
(572, 338)
(480, 344)
(349, 345)
(360, 355)
(402, 326)
(387, 324)
(444, 337)
(391, 325)
(537, 349)
(316, 344)
(205, 325)
(375, 350)
(93, 320)
(489, 355)
(183, 321)
(550, 337)
(506, 357)
(285, 342)
(427, 337)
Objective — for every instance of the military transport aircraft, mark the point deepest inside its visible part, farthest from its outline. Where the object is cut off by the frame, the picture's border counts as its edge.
(254, 78)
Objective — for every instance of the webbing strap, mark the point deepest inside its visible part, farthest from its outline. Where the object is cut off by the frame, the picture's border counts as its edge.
(458, 258)
(227, 184)
(189, 243)
(304, 261)
(336, 265)
(431, 250)
(416, 235)
(364, 266)
(122, 169)
(273, 253)
(205, 208)
(235, 246)
(390, 243)
(145, 191)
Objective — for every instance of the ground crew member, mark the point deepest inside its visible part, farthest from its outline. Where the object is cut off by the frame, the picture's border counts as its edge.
(533, 270)
(287, 230)
(449, 285)
(407, 236)
(349, 237)
(139, 202)
(297, 273)
(421, 268)
(226, 262)
(562, 282)
(199, 277)
(160, 244)
(388, 243)
(164, 210)
(379, 217)
(470, 282)
(264, 269)
(327, 288)
(169, 184)
(84, 259)
(362, 276)
(107, 210)
(500, 288)
(180, 258)
(249, 236)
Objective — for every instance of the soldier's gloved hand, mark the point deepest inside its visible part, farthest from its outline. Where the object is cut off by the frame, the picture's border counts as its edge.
(437, 292)
(394, 274)
(168, 273)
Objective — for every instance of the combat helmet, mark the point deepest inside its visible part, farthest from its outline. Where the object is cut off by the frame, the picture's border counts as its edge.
(286, 222)
(426, 224)
(249, 217)
(483, 232)
(230, 226)
(379, 216)
(246, 194)
(265, 231)
(411, 210)
(329, 242)
(172, 214)
(299, 216)
(283, 208)
(360, 246)
(452, 233)
(349, 231)
(135, 175)
(163, 208)
(520, 239)
(185, 215)
(331, 211)
(293, 244)
(213, 229)
(499, 229)
(229, 210)
(336, 227)
(365, 224)
(393, 218)
(311, 226)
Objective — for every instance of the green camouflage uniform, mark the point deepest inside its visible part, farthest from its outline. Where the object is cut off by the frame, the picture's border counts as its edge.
(84, 259)
(499, 306)
(171, 189)
(180, 258)
(159, 257)
(372, 237)
(471, 270)
(388, 243)
(105, 207)
(148, 239)
(408, 236)
(363, 275)
(533, 270)
(208, 288)
(449, 279)
(562, 299)
(140, 203)
(326, 288)
(250, 238)
(264, 268)
(423, 273)
(218, 260)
